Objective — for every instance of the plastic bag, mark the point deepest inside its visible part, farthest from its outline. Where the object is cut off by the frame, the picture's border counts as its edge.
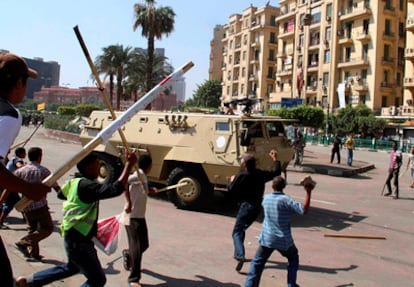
(106, 238)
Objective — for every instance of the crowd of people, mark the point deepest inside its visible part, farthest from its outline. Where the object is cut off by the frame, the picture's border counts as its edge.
(81, 196)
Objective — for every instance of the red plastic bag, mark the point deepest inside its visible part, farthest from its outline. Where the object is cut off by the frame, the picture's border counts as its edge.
(106, 238)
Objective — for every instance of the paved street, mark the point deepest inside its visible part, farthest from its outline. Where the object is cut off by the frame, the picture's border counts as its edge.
(195, 248)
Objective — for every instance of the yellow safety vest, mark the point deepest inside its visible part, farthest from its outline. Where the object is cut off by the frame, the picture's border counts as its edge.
(76, 213)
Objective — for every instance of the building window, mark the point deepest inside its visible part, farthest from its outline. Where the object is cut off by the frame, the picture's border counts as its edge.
(363, 99)
(325, 79)
(386, 52)
(244, 55)
(270, 73)
(271, 55)
(384, 101)
(329, 10)
(327, 56)
(388, 27)
(242, 89)
(316, 15)
(273, 21)
(243, 72)
(328, 33)
(272, 38)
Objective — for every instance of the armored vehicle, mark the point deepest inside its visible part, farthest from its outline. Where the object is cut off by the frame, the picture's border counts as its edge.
(193, 152)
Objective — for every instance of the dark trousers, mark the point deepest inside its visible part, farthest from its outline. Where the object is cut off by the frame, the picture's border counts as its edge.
(262, 255)
(82, 258)
(393, 174)
(338, 155)
(137, 233)
(246, 215)
(40, 226)
(5, 267)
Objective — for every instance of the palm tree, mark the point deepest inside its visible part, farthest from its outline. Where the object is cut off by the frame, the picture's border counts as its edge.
(154, 22)
(135, 79)
(113, 62)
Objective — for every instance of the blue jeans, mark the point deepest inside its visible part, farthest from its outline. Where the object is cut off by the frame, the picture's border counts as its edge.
(262, 254)
(246, 215)
(350, 157)
(82, 257)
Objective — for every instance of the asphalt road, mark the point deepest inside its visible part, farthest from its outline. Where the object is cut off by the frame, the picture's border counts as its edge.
(195, 248)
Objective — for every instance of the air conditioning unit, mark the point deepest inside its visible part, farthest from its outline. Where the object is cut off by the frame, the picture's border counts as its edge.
(328, 18)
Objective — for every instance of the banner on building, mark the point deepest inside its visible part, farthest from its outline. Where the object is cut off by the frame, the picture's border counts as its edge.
(341, 94)
(41, 106)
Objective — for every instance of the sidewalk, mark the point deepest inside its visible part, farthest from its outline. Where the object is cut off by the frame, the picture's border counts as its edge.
(316, 162)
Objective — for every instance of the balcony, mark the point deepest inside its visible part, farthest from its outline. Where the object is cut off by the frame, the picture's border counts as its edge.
(354, 13)
(363, 36)
(253, 78)
(313, 67)
(286, 14)
(286, 34)
(390, 36)
(361, 86)
(389, 10)
(409, 54)
(409, 82)
(284, 73)
(410, 24)
(345, 39)
(281, 54)
(352, 62)
(387, 61)
(386, 87)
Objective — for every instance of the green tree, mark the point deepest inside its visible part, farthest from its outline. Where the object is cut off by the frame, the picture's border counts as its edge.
(306, 115)
(357, 120)
(207, 95)
(113, 63)
(136, 72)
(154, 22)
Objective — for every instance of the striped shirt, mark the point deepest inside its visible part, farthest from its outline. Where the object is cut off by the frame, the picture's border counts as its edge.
(276, 231)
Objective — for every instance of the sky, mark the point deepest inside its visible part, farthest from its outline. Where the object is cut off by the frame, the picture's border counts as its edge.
(44, 28)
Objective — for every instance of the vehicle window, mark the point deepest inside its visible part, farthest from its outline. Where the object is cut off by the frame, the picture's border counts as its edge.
(223, 126)
(275, 129)
(254, 129)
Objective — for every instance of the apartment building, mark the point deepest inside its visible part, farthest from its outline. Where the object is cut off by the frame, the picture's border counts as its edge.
(409, 61)
(249, 55)
(329, 53)
(216, 51)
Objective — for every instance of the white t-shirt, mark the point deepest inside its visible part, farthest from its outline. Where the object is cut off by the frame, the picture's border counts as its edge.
(9, 129)
(138, 194)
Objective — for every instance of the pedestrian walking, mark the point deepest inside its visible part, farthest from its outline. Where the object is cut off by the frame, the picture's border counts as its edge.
(137, 231)
(350, 146)
(38, 218)
(336, 144)
(276, 232)
(410, 164)
(14, 75)
(248, 187)
(394, 171)
(80, 223)
(9, 199)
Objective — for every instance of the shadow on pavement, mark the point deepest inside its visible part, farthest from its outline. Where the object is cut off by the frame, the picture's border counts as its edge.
(180, 282)
(329, 219)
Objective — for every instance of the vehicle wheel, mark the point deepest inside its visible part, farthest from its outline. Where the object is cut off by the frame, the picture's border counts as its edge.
(196, 193)
(110, 168)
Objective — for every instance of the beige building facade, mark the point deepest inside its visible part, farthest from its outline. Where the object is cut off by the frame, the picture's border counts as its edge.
(329, 53)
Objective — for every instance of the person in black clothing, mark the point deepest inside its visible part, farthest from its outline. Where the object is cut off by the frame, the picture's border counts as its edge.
(248, 187)
(336, 143)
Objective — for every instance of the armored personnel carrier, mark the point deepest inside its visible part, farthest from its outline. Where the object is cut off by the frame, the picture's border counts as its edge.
(195, 152)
